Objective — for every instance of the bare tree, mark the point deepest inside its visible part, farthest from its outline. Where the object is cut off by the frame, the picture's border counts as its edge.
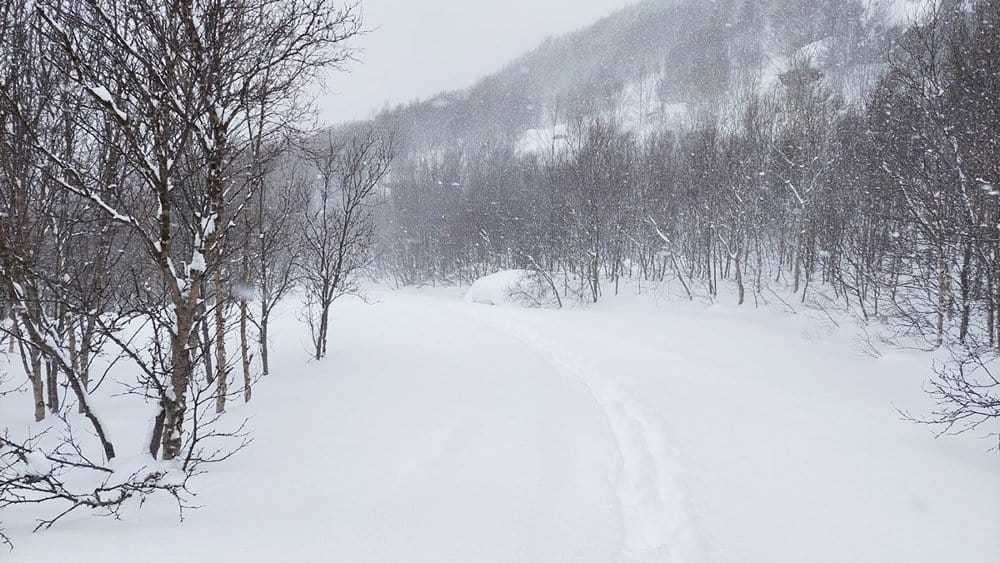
(338, 226)
(283, 195)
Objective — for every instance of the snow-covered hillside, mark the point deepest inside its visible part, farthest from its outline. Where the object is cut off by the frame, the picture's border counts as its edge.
(659, 66)
(444, 430)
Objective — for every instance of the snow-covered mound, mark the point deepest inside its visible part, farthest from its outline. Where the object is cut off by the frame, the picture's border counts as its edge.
(526, 288)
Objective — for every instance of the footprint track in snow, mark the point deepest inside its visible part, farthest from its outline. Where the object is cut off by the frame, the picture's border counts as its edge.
(657, 523)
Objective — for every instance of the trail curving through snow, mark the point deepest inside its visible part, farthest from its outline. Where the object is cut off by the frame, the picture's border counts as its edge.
(441, 431)
(657, 522)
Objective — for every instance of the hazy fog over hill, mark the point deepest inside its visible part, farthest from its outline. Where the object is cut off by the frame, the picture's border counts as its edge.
(653, 65)
(416, 49)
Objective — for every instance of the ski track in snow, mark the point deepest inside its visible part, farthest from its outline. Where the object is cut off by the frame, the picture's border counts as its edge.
(658, 524)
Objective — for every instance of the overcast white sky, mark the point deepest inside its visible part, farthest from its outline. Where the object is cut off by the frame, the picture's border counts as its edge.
(420, 47)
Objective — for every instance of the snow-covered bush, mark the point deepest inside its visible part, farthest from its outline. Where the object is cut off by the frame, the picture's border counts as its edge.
(525, 288)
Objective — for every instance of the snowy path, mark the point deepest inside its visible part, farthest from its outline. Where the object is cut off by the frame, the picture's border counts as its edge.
(425, 437)
(784, 443)
(657, 523)
(444, 431)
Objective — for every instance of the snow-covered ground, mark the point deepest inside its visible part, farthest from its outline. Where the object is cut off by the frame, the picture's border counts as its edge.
(443, 430)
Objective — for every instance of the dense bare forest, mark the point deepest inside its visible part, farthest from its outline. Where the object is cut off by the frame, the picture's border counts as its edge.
(149, 217)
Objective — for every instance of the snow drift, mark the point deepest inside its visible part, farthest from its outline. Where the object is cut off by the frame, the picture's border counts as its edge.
(525, 288)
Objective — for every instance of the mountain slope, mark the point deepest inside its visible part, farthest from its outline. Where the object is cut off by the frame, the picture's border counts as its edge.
(657, 65)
